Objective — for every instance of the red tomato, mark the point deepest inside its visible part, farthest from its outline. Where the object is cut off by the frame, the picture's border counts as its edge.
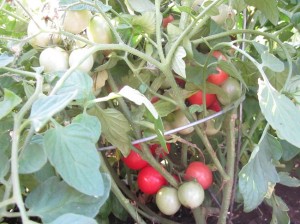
(150, 180)
(180, 82)
(200, 172)
(167, 20)
(215, 106)
(154, 99)
(134, 161)
(197, 98)
(157, 149)
(220, 77)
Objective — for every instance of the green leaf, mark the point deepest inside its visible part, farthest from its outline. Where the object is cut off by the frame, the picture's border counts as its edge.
(112, 122)
(280, 208)
(293, 88)
(117, 209)
(82, 6)
(231, 70)
(46, 106)
(33, 157)
(287, 180)
(273, 63)
(141, 6)
(79, 81)
(289, 150)
(268, 8)
(72, 151)
(6, 59)
(280, 112)
(178, 64)
(74, 219)
(164, 108)
(4, 165)
(45, 172)
(10, 101)
(256, 175)
(138, 98)
(106, 208)
(54, 198)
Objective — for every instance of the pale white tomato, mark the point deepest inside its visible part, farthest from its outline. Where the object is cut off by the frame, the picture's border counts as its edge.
(77, 55)
(54, 59)
(76, 21)
(43, 39)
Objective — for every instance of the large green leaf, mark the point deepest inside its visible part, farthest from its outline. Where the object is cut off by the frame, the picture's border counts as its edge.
(115, 128)
(54, 198)
(270, 61)
(46, 106)
(287, 180)
(74, 219)
(10, 101)
(33, 157)
(268, 8)
(164, 107)
(72, 151)
(280, 112)
(255, 176)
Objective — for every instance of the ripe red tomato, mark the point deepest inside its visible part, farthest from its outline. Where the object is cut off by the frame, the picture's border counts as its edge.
(157, 150)
(220, 77)
(200, 172)
(215, 106)
(150, 180)
(197, 98)
(134, 161)
(167, 20)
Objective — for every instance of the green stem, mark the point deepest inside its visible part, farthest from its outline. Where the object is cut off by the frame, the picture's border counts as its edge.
(229, 125)
(199, 216)
(17, 194)
(158, 18)
(19, 72)
(7, 202)
(124, 201)
(184, 151)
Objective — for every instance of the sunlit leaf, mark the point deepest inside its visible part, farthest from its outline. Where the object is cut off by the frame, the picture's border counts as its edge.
(141, 6)
(287, 180)
(6, 59)
(72, 151)
(280, 112)
(82, 6)
(255, 176)
(178, 64)
(138, 98)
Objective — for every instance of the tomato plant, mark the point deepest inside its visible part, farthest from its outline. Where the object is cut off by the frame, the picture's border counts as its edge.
(200, 172)
(167, 200)
(191, 194)
(150, 180)
(134, 160)
(54, 59)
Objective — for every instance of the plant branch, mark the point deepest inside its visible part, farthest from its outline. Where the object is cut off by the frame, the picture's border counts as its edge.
(229, 125)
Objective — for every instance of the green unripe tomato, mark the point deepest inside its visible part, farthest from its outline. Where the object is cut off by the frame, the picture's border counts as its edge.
(54, 59)
(191, 194)
(76, 21)
(232, 91)
(77, 55)
(167, 200)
